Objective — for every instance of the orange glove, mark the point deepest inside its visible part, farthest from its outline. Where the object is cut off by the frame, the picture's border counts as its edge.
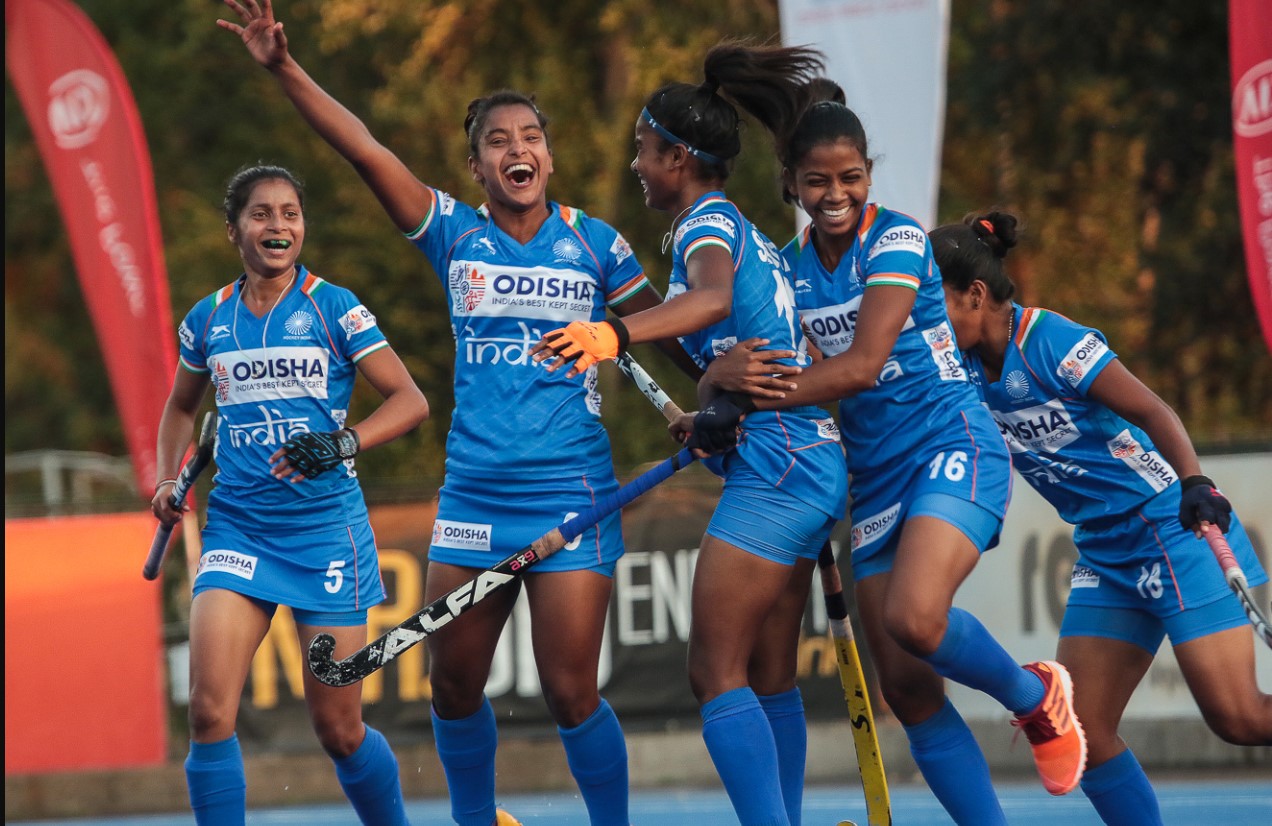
(585, 343)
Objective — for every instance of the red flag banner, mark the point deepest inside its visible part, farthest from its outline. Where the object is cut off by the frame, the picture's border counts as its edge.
(1250, 50)
(86, 126)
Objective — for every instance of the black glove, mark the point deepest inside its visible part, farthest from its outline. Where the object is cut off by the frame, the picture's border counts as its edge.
(715, 427)
(312, 453)
(1202, 502)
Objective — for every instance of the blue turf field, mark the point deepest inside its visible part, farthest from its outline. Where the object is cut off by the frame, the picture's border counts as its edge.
(1236, 803)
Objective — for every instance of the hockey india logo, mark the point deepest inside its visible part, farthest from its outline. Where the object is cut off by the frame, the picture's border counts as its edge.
(1017, 384)
(566, 249)
(299, 323)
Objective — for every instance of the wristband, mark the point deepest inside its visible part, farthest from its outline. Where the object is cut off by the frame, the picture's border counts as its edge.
(1194, 481)
(163, 482)
(620, 330)
(744, 402)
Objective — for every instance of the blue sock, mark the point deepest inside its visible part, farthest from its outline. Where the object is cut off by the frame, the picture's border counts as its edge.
(741, 745)
(466, 748)
(1120, 792)
(370, 780)
(969, 654)
(785, 713)
(955, 768)
(218, 787)
(597, 754)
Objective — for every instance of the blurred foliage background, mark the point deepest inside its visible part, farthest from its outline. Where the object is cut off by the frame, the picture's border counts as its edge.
(1106, 128)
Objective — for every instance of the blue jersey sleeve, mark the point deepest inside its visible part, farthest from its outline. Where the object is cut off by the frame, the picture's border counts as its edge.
(622, 274)
(712, 226)
(897, 255)
(202, 321)
(447, 220)
(1068, 356)
(355, 333)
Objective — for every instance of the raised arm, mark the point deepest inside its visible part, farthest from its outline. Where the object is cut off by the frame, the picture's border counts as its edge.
(404, 197)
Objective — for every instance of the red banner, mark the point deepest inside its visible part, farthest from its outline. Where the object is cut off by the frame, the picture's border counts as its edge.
(1250, 35)
(86, 125)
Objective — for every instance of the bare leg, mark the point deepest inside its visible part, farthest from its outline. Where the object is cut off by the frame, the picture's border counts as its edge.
(225, 630)
(1219, 669)
(461, 653)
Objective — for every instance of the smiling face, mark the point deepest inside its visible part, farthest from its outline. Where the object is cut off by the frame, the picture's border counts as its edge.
(513, 161)
(651, 165)
(270, 229)
(832, 183)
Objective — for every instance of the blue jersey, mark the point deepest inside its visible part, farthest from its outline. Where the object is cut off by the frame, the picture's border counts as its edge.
(290, 371)
(923, 386)
(513, 419)
(1084, 459)
(776, 445)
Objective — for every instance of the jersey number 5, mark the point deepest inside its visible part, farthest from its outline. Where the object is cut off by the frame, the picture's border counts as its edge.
(336, 575)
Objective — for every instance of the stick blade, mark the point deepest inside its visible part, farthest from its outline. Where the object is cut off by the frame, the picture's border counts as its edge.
(323, 665)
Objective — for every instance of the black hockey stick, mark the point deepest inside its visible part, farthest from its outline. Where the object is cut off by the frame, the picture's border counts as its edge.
(443, 610)
(185, 480)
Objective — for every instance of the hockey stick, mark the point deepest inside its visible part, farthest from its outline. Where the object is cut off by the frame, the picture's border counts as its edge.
(648, 386)
(1237, 582)
(185, 480)
(443, 610)
(865, 739)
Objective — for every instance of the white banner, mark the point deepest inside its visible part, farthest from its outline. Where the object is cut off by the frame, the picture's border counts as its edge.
(1018, 589)
(889, 57)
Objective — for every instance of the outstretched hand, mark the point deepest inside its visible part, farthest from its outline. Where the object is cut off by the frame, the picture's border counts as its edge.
(261, 33)
(581, 344)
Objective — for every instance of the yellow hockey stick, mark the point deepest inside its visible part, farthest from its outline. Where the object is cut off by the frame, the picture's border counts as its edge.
(864, 738)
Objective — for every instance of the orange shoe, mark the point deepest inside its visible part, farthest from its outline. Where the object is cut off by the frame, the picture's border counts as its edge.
(1053, 730)
(502, 818)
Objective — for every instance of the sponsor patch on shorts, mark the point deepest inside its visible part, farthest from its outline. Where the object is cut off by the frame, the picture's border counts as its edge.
(1084, 577)
(872, 528)
(467, 535)
(227, 562)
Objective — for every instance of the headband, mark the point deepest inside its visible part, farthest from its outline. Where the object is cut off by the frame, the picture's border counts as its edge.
(667, 135)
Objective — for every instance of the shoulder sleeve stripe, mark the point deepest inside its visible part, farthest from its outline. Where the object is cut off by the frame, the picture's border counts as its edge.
(418, 233)
(627, 290)
(368, 350)
(312, 283)
(893, 279)
(191, 366)
(223, 294)
(867, 221)
(707, 241)
(1029, 319)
